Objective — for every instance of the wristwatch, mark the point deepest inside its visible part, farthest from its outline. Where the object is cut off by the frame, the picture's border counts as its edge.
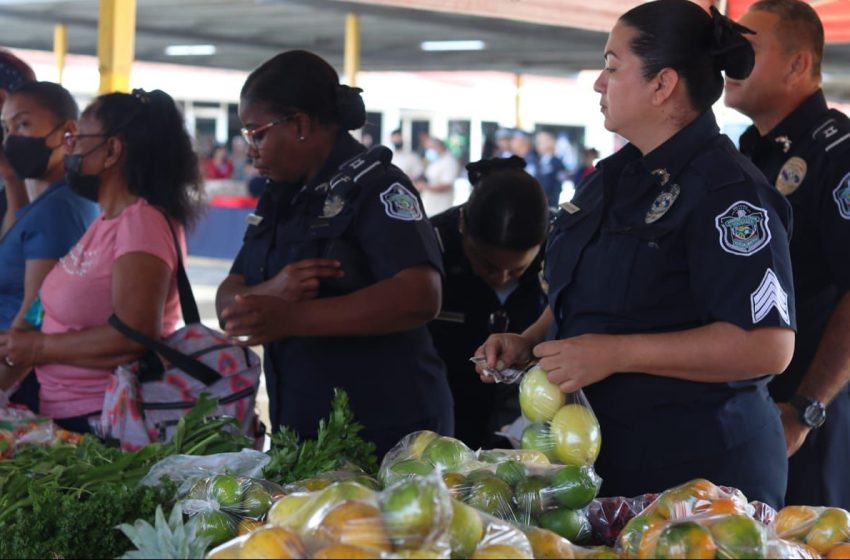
(812, 413)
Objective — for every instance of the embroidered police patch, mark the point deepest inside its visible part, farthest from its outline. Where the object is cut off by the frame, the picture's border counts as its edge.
(768, 295)
(743, 229)
(662, 204)
(791, 175)
(401, 204)
(841, 194)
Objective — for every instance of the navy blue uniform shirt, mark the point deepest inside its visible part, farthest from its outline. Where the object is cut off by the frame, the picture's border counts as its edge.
(471, 312)
(395, 381)
(807, 157)
(689, 235)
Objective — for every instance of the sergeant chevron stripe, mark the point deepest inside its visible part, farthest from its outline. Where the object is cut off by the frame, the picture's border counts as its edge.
(769, 294)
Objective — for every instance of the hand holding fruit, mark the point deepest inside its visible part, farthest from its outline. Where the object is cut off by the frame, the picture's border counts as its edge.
(501, 351)
(580, 361)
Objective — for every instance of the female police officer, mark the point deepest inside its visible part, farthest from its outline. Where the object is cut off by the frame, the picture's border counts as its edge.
(340, 269)
(670, 292)
(492, 253)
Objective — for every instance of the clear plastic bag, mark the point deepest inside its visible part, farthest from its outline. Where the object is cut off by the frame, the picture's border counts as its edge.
(185, 470)
(223, 506)
(563, 426)
(414, 518)
(825, 530)
(419, 453)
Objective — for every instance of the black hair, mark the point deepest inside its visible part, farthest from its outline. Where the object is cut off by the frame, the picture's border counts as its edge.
(507, 207)
(51, 97)
(679, 34)
(302, 81)
(13, 71)
(159, 164)
(799, 26)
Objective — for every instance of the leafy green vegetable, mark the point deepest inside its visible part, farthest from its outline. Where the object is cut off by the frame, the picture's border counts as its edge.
(66, 501)
(337, 443)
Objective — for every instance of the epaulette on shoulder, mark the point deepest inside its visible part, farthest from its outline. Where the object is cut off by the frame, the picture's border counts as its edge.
(833, 133)
(363, 167)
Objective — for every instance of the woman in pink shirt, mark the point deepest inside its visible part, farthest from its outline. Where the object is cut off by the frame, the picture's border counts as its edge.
(133, 156)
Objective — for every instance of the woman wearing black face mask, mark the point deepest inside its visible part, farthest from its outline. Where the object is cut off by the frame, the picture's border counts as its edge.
(35, 117)
(132, 154)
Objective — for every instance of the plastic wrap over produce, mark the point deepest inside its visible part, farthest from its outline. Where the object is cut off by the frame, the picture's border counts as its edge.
(825, 531)
(413, 518)
(519, 486)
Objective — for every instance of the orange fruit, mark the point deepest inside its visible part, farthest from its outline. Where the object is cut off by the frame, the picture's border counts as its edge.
(356, 524)
(547, 544)
(722, 506)
(344, 551)
(498, 552)
(739, 536)
(683, 500)
(840, 551)
(247, 525)
(794, 522)
(685, 540)
(272, 542)
(831, 528)
(632, 533)
(649, 540)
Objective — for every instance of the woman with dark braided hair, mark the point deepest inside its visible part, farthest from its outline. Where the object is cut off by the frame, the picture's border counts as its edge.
(339, 271)
(492, 253)
(131, 154)
(670, 295)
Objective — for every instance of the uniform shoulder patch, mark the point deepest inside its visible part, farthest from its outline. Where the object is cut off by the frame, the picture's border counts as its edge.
(833, 132)
(743, 229)
(768, 295)
(401, 204)
(791, 175)
(841, 195)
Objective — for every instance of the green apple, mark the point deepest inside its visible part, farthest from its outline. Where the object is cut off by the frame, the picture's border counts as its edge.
(538, 398)
(576, 435)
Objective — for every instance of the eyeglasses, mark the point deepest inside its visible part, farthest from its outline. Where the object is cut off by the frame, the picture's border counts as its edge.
(255, 135)
(70, 139)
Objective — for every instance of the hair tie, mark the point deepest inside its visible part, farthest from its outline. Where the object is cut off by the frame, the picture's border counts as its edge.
(142, 95)
(477, 170)
(732, 51)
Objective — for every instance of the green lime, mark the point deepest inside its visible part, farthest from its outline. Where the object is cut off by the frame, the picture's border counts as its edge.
(538, 437)
(511, 472)
(256, 501)
(226, 490)
(570, 524)
(530, 497)
(575, 486)
(406, 469)
(217, 525)
(739, 536)
(491, 495)
(447, 453)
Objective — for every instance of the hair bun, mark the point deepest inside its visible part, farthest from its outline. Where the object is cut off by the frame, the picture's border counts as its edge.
(732, 52)
(477, 170)
(350, 107)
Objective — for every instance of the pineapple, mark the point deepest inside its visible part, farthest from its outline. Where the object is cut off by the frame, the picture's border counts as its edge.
(168, 540)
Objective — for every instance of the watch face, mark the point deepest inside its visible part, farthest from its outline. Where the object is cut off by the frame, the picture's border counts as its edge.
(815, 415)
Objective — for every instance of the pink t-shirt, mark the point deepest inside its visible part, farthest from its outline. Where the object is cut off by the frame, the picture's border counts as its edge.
(77, 294)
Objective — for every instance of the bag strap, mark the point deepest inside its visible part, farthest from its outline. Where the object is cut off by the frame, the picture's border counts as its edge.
(186, 363)
(188, 306)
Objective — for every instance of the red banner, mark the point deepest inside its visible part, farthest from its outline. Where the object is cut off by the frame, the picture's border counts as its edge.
(835, 15)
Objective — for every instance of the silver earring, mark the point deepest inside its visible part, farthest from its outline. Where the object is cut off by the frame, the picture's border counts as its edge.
(300, 138)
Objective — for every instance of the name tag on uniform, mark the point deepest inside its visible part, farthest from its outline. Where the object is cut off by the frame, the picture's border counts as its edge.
(253, 219)
(570, 208)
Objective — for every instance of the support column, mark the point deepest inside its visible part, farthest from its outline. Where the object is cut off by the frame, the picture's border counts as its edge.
(518, 100)
(115, 44)
(352, 48)
(60, 49)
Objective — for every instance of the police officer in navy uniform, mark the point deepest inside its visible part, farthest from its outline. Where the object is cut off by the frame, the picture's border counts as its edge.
(340, 270)
(492, 252)
(803, 148)
(670, 288)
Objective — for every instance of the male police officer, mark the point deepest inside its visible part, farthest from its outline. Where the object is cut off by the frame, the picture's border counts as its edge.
(804, 148)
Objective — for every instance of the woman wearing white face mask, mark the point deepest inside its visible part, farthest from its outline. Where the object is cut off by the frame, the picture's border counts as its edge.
(35, 117)
(438, 191)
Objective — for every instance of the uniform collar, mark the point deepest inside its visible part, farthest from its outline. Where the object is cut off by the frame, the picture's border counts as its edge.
(345, 148)
(793, 127)
(666, 162)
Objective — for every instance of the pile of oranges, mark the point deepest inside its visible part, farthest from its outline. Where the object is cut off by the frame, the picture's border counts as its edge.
(824, 531)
